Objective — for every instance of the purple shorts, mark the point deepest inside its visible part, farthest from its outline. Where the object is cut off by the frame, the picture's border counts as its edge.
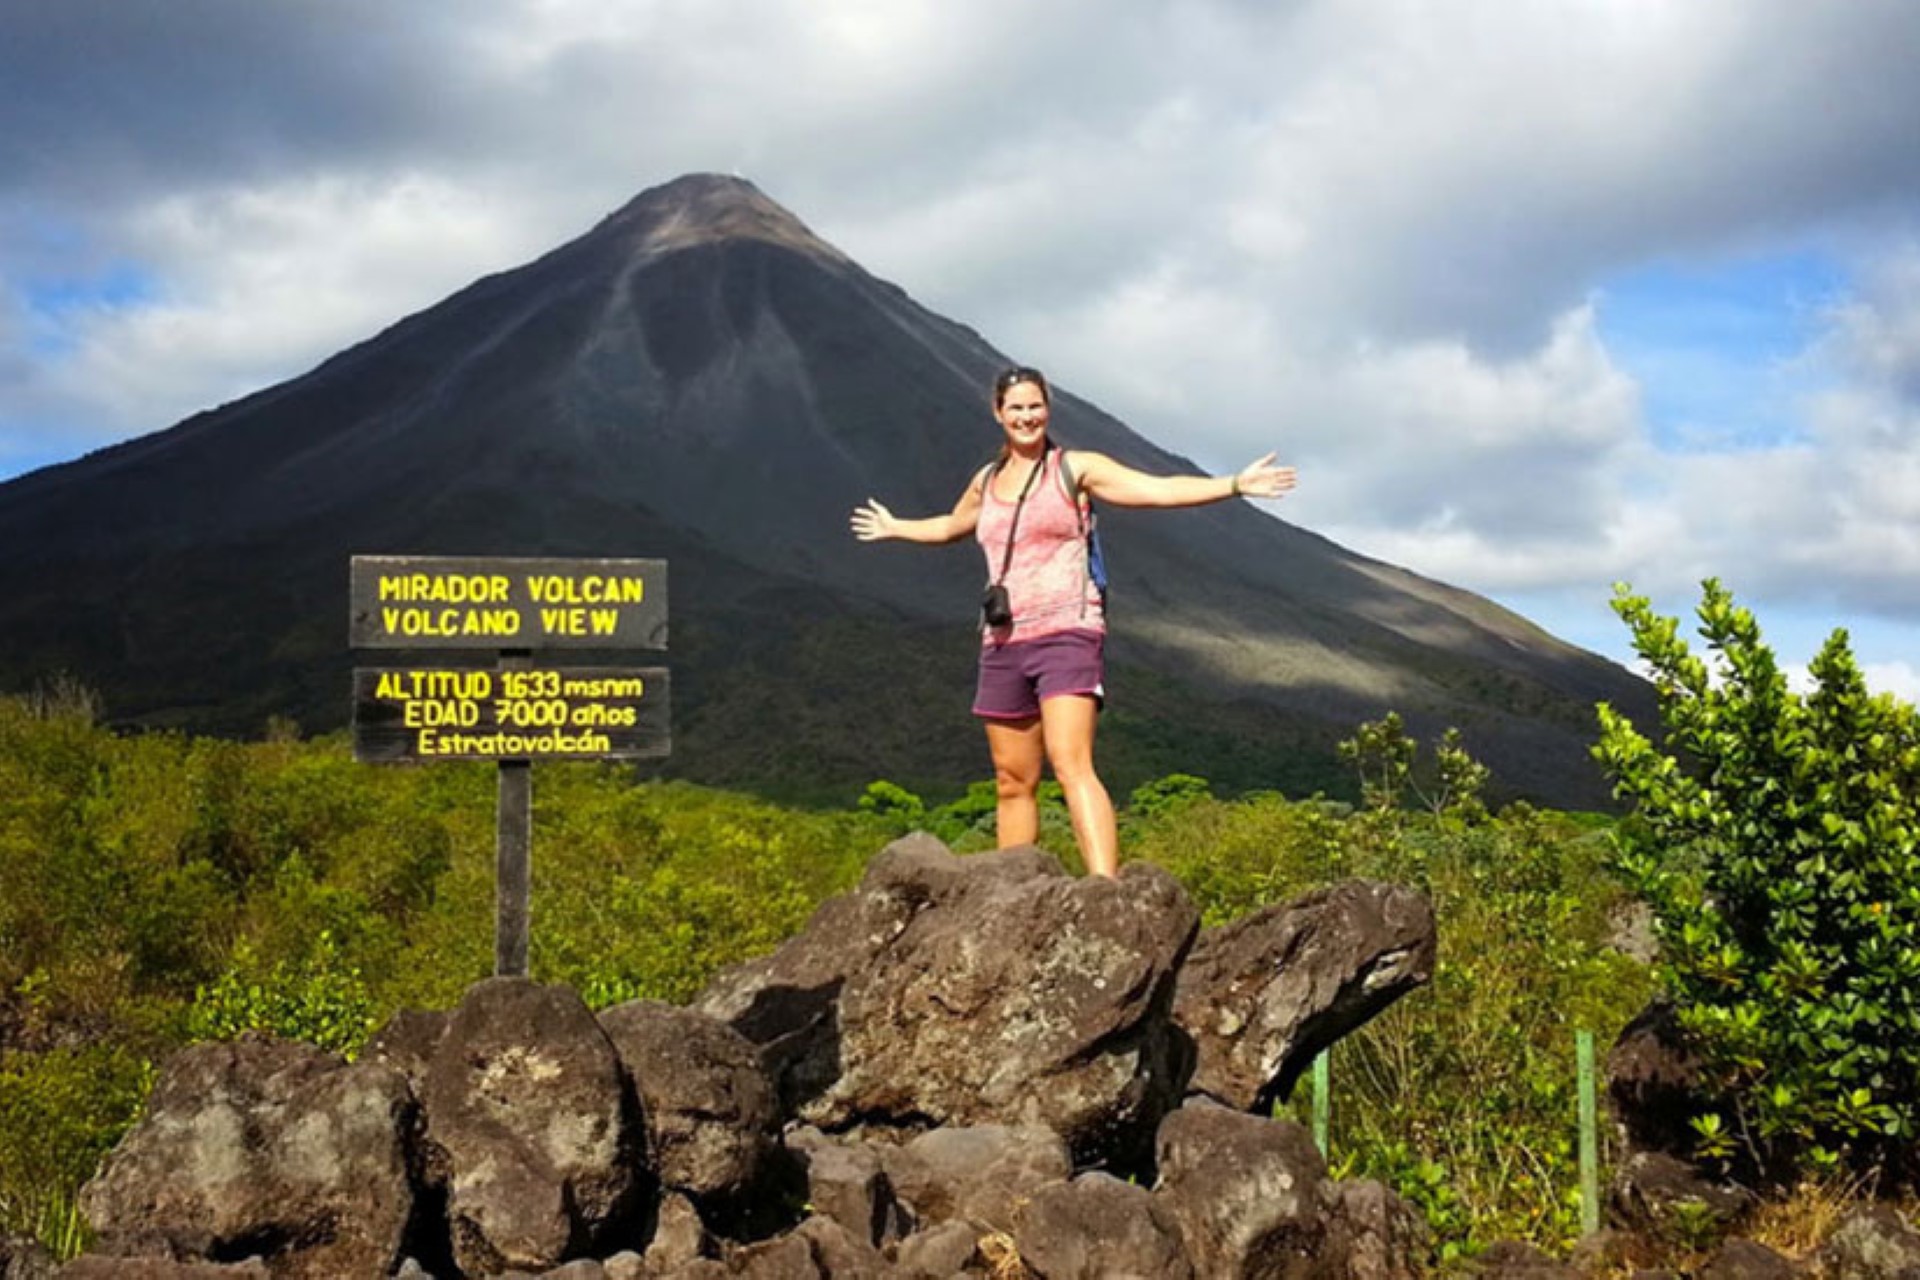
(1016, 677)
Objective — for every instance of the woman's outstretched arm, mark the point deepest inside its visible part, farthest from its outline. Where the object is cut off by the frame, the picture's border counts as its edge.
(1122, 486)
(872, 522)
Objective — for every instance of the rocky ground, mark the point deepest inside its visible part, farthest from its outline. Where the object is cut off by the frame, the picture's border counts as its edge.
(963, 1067)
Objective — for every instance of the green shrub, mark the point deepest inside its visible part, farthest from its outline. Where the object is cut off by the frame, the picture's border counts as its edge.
(320, 999)
(60, 1112)
(1169, 795)
(894, 803)
(1779, 846)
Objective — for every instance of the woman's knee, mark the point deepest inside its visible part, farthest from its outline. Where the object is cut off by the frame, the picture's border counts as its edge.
(1072, 766)
(1013, 781)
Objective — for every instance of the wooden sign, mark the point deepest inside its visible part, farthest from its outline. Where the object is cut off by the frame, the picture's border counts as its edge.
(537, 713)
(507, 602)
(517, 712)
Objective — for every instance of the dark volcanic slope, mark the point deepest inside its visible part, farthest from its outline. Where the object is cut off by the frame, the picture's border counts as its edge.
(702, 379)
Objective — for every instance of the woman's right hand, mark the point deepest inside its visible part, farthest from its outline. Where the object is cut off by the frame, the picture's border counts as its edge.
(873, 522)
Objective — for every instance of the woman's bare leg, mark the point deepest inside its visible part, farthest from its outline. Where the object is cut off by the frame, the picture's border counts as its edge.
(1067, 722)
(1017, 756)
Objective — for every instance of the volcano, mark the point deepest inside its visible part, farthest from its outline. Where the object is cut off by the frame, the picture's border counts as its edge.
(700, 378)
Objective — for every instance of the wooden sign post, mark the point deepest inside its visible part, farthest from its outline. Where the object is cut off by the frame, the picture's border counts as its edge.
(516, 712)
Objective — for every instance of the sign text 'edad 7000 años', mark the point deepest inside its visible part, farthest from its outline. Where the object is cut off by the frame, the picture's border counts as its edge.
(540, 713)
(504, 602)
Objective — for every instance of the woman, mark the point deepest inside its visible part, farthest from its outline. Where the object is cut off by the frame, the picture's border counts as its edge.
(1040, 684)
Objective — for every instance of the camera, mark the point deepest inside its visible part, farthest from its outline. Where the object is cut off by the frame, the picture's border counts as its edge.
(996, 610)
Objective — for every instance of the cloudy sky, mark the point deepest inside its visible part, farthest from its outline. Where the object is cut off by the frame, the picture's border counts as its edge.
(1539, 296)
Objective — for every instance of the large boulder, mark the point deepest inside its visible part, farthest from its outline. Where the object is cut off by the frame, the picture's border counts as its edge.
(980, 1175)
(1376, 1234)
(1020, 1001)
(1246, 1193)
(1099, 1228)
(527, 1121)
(943, 1251)
(679, 1238)
(709, 1110)
(1871, 1243)
(1666, 1198)
(847, 1181)
(786, 1002)
(838, 1254)
(263, 1147)
(1654, 1083)
(103, 1267)
(1748, 1260)
(1259, 998)
(22, 1257)
(408, 1042)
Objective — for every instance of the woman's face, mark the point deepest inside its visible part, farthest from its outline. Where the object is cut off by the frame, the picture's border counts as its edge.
(1023, 415)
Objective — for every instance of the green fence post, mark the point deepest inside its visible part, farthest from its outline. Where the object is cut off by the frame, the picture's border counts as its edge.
(1322, 1098)
(1589, 1144)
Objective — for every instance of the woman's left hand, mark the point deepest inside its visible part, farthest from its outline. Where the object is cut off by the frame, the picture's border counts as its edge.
(1261, 479)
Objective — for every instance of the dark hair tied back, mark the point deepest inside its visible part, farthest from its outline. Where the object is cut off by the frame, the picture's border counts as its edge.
(1011, 378)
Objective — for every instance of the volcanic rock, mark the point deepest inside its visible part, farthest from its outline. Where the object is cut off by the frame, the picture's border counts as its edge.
(1245, 1192)
(262, 1146)
(709, 1109)
(1035, 1001)
(527, 1115)
(1260, 997)
(982, 1174)
(1100, 1228)
(787, 1002)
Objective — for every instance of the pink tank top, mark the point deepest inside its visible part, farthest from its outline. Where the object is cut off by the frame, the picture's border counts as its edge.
(1047, 583)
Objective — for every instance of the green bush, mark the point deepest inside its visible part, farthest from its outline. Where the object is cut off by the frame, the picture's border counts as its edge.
(320, 999)
(1778, 841)
(60, 1112)
(1168, 795)
(895, 803)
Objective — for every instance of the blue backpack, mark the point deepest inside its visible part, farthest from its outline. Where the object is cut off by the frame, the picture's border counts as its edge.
(1090, 528)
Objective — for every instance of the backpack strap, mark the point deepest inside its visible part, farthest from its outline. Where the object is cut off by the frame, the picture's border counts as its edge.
(1089, 527)
(1082, 506)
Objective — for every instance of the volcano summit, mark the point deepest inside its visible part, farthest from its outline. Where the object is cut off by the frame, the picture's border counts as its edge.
(700, 378)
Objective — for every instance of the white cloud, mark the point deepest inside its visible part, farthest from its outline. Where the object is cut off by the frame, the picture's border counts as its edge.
(1900, 679)
(260, 283)
(1373, 236)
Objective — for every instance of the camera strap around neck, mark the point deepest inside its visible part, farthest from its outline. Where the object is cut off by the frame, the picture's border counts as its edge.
(1006, 560)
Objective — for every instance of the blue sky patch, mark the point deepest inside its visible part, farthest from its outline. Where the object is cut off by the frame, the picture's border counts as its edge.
(1719, 347)
(55, 305)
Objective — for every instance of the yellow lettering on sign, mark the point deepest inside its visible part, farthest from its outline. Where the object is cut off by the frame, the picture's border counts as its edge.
(591, 588)
(418, 714)
(600, 715)
(422, 623)
(564, 622)
(451, 684)
(444, 588)
(611, 687)
(551, 742)
(389, 686)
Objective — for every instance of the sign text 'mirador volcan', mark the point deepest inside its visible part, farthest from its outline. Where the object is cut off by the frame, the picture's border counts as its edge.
(458, 602)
